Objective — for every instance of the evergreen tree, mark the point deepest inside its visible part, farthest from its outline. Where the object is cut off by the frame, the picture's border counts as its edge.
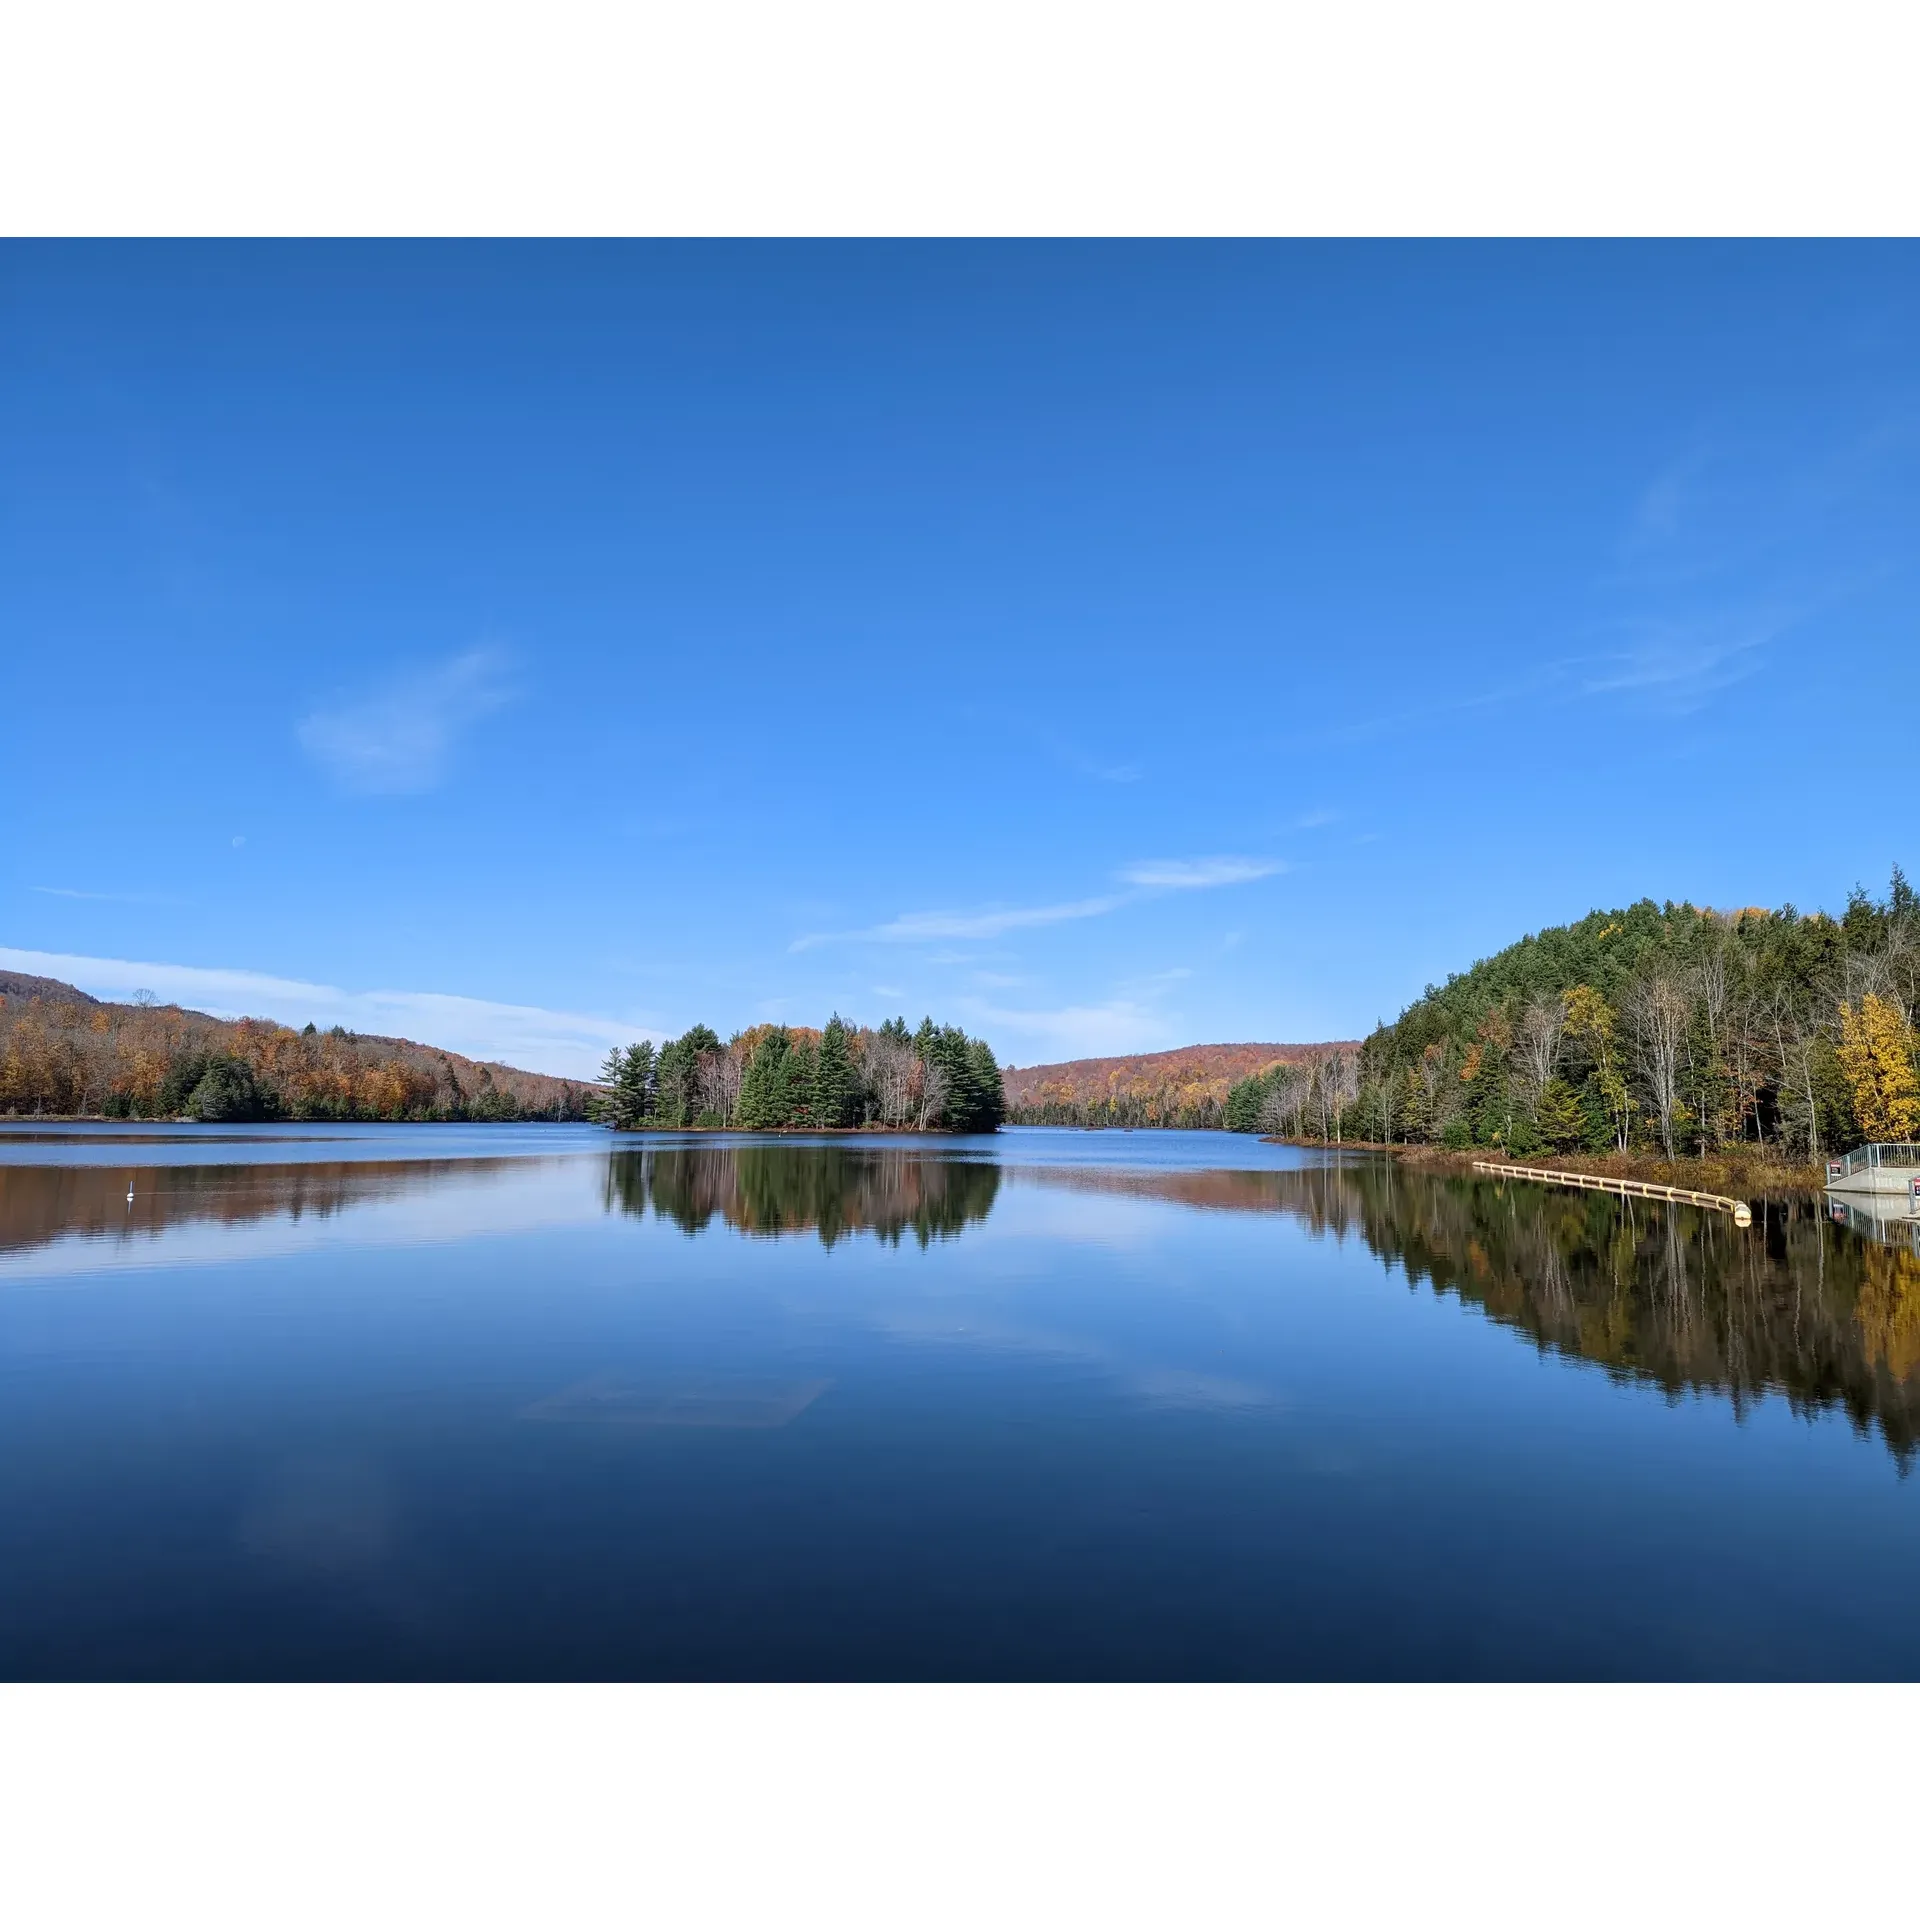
(1560, 1120)
(673, 1084)
(986, 1101)
(624, 1099)
(676, 1075)
(792, 1080)
(760, 1085)
(227, 1090)
(835, 1090)
(794, 1083)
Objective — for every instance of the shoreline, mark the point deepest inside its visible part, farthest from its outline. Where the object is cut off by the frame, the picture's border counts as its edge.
(1737, 1176)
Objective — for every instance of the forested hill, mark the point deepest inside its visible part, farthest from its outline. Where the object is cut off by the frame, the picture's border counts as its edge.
(1663, 1028)
(62, 1052)
(1183, 1087)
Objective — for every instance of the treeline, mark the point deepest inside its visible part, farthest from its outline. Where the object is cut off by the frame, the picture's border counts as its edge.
(63, 1053)
(1157, 1109)
(774, 1078)
(1303, 1099)
(1660, 1029)
(1182, 1087)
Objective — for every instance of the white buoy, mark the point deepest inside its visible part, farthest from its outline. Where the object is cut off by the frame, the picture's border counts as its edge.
(129, 1193)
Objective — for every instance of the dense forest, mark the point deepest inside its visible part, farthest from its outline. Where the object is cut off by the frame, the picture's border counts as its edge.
(1184, 1087)
(1661, 1029)
(62, 1052)
(773, 1078)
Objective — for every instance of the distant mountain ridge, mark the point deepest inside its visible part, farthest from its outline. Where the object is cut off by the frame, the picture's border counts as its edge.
(36, 986)
(1183, 1086)
(64, 1052)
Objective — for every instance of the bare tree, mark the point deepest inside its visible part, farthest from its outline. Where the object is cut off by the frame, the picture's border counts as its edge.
(1900, 959)
(1285, 1101)
(1794, 1040)
(1657, 1025)
(1537, 1045)
(930, 1102)
(886, 1075)
(1389, 1092)
(1337, 1085)
(717, 1076)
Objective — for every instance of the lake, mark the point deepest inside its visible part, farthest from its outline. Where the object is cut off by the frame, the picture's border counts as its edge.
(540, 1402)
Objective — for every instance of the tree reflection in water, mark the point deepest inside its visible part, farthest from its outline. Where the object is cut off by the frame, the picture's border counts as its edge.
(1677, 1295)
(1797, 1304)
(830, 1190)
(42, 1204)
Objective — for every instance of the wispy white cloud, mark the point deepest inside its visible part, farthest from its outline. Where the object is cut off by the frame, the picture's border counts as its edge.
(536, 1037)
(1685, 661)
(1658, 514)
(111, 899)
(987, 924)
(400, 738)
(1213, 870)
(1141, 881)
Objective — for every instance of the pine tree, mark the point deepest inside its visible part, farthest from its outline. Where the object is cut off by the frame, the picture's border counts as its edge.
(760, 1086)
(986, 1092)
(834, 1086)
(625, 1098)
(1560, 1120)
(794, 1085)
(673, 1083)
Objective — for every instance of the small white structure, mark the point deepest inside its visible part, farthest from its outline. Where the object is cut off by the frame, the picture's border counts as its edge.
(1884, 1167)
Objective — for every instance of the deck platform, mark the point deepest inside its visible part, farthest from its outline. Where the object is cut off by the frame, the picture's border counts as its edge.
(1885, 1167)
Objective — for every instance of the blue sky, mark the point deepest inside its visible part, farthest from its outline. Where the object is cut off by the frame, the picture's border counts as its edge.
(1103, 646)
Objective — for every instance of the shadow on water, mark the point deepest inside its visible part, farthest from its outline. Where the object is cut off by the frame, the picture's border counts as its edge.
(829, 1190)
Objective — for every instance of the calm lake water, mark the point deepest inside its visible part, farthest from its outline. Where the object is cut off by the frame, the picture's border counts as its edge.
(522, 1402)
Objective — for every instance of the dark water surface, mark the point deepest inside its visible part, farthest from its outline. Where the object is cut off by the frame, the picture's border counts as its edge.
(523, 1402)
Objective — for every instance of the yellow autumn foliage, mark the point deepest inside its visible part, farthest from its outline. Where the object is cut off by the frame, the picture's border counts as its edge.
(1876, 1056)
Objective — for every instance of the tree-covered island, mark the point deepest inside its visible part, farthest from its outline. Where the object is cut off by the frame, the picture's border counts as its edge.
(772, 1079)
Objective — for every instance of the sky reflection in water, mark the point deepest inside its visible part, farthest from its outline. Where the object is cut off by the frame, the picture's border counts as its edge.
(505, 1402)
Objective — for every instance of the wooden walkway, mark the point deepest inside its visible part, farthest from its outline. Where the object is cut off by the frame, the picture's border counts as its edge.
(1602, 1183)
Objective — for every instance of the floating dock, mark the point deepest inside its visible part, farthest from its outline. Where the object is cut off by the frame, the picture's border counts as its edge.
(1605, 1183)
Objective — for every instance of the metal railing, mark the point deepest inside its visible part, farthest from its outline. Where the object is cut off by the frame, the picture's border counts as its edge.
(1875, 1155)
(1604, 1183)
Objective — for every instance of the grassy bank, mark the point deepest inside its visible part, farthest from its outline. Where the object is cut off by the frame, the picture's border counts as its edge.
(1740, 1176)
